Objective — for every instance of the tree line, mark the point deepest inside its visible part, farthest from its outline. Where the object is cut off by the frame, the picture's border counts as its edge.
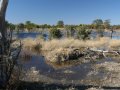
(30, 26)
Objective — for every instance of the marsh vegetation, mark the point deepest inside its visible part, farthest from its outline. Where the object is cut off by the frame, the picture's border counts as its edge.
(58, 57)
(71, 62)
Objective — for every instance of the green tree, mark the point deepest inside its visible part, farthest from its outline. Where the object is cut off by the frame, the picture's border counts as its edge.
(29, 25)
(60, 24)
(98, 23)
(21, 26)
(83, 33)
(10, 26)
(70, 30)
(55, 33)
(28, 22)
(44, 26)
(107, 24)
(99, 26)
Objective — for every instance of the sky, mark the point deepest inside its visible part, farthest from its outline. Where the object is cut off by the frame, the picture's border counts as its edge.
(70, 11)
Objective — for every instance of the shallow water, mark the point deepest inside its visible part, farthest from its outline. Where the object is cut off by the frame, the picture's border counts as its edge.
(33, 35)
(45, 35)
(69, 72)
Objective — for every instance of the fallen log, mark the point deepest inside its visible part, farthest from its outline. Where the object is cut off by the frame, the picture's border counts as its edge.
(105, 51)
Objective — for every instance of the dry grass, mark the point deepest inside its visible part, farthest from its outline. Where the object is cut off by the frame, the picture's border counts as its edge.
(114, 43)
(70, 42)
(30, 43)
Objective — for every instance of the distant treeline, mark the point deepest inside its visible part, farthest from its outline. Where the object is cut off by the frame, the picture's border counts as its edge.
(96, 24)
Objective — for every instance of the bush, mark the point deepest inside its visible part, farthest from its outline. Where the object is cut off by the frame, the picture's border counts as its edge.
(70, 30)
(38, 47)
(55, 33)
(83, 33)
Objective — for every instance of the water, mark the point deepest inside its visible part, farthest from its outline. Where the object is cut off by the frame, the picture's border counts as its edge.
(26, 35)
(23, 35)
(72, 72)
(115, 35)
(69, 72)
(45, 35)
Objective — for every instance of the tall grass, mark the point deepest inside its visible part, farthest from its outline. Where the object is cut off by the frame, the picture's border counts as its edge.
(75, 43)
(30, 43)
(70, 43)
(114, 43)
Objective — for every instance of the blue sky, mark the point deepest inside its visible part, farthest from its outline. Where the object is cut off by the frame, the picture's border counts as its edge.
(70, 11)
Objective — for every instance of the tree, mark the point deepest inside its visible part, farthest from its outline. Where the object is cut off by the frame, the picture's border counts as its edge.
(107, 24)
(44, 26)
(28, 22)
(20, 26)
(10, 26)
(8, 54)
(60, 24)
(29, 25)
(98, 23)
(3, 7)
(83, 33)
(55, 33)
(70, 30)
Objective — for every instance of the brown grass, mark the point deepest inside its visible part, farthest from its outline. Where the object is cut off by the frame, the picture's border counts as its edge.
(114, 43)
(57, 47)
(30, 43)
(70, 43)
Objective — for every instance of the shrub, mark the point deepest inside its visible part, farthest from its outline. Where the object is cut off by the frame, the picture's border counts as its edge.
(37, 47)
(70, 30)
(60, 24)
(83, 33)
(55, 33)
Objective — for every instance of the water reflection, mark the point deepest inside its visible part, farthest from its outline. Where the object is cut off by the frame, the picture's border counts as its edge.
(68, 70)
(46, 36)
